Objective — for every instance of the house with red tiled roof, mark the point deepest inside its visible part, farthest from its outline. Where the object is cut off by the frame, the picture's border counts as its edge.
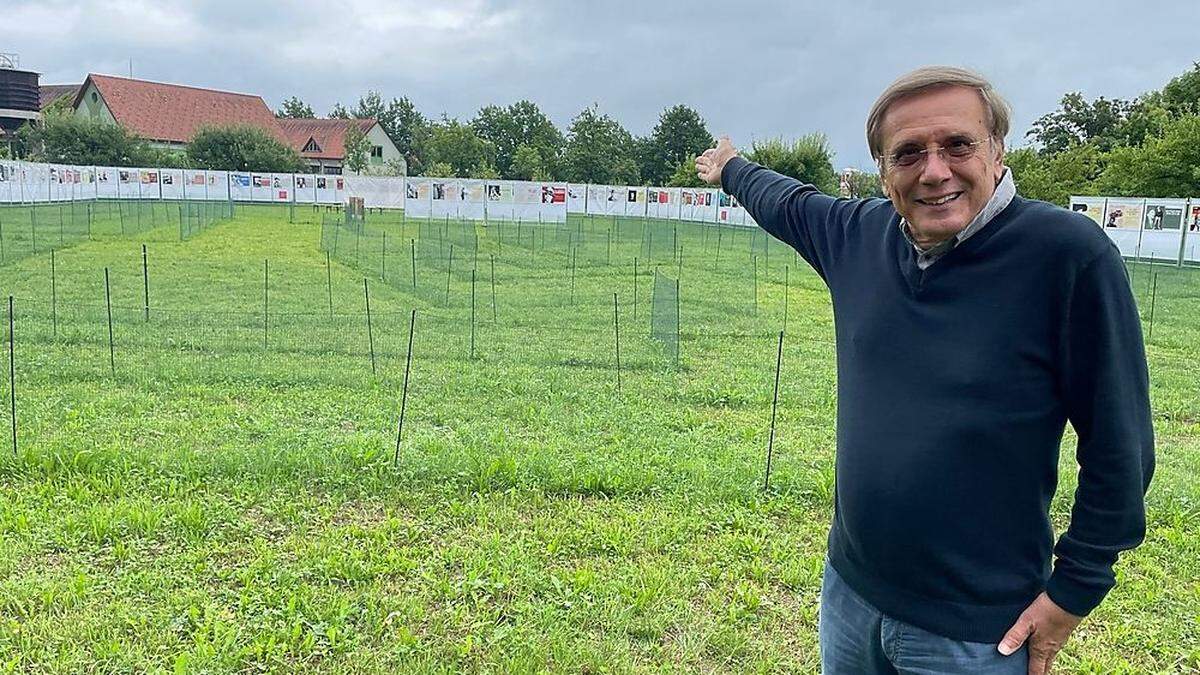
(322, 143)
(169, 115)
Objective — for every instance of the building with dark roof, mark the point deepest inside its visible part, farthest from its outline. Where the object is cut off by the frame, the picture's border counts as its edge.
(49, 93)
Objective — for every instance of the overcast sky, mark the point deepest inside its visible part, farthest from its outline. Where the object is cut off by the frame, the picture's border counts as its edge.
(753, 70)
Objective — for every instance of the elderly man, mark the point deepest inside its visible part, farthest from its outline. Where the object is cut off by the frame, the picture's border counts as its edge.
(972, 324)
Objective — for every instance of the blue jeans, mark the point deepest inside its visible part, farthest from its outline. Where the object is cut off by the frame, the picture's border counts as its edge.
(856, 638)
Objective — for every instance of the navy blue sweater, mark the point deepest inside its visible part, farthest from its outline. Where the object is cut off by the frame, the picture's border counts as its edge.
(954, 388)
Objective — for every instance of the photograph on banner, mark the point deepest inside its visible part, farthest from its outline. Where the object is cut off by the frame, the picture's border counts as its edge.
(239, 187)
(1164, 214)
(1124, 214)
(576, 198)
(1092, 207)
(218, 185)
(1193, 219)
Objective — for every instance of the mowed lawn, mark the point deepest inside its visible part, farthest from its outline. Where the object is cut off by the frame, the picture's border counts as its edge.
(217, 490)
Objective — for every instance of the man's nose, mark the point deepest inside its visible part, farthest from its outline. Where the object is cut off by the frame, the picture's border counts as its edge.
(936, 170)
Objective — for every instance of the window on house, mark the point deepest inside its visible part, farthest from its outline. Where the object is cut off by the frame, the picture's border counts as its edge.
(311, 146)
(95, 97)
(377, 151)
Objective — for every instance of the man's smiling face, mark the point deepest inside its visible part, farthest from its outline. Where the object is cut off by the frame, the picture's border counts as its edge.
(940, 194)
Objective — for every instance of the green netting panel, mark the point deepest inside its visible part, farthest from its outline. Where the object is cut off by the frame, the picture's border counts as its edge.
(664, 314)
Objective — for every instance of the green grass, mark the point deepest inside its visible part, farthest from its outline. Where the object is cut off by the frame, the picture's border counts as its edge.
(217, 505)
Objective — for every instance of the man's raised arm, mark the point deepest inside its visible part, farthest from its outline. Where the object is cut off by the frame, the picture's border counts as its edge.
(797, 214)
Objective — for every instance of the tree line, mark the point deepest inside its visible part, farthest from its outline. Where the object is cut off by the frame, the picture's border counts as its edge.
(520, 142)
(1148, 146)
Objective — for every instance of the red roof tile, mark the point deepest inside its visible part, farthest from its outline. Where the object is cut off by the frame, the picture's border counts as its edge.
(173, 112)
(330, 135)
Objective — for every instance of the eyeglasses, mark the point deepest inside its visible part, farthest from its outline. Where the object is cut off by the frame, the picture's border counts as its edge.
(954, 152)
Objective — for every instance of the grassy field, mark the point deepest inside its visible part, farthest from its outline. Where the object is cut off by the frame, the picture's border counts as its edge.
(216, 491)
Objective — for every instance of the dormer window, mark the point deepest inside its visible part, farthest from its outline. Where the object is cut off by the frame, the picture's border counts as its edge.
(311, 146)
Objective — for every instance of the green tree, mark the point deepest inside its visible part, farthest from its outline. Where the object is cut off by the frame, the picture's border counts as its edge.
(293, 108)
(864, 184)
(1181, 96)
(241, 148)
(1164, 166)
(438, 170)
(526, 164)
(457, 145)
(520, 124)
(1078, 121)
(67, 139)
(401, 121)
(357, 148)
(598, 150)
(685, 175)
(679, 136)
(485, 170)
(339, 112)
(807, 159)
(1054, 178)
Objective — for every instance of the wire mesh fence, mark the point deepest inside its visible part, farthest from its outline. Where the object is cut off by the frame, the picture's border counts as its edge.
(31, 229)
(620, 308)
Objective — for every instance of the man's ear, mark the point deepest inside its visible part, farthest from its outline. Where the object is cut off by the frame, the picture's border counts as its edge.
(883, 183)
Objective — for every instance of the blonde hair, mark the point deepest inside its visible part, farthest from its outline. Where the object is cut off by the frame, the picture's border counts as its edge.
(930, 77)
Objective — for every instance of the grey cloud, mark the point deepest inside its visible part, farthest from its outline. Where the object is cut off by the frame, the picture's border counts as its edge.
(754, 71)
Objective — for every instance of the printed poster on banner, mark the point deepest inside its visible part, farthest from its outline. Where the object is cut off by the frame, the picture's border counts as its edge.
(263, 187)
(1193, 217)
(499, 195)
(281, 187)
(527, 201)
(417, 194)
(239, 187)
(1124, 214)
(1092, 207)
(1164, 214)
(195, 185)
(149, 184)
(218, 185)
(576, 199)
(596, 199)
(1123, 224)
(472, 200)
(325, 190)
(1162, 228)
(305, 188)
(172, 186)
(615, 198)
(442, 206)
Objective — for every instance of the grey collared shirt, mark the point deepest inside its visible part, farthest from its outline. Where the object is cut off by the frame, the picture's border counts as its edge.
(1001, 197)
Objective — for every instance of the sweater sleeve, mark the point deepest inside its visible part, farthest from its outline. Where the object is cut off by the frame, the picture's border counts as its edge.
(797, 214)
(1107, 392)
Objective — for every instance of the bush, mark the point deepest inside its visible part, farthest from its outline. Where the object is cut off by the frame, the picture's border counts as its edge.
(242, 148)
